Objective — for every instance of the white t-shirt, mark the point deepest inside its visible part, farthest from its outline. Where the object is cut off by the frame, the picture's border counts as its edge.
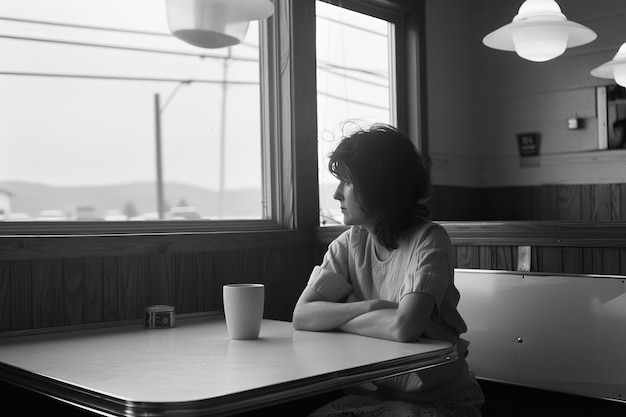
(353, 271)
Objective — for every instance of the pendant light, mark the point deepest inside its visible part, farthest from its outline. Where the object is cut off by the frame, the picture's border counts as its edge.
(616, 68)
(539, 32)
(214, 23)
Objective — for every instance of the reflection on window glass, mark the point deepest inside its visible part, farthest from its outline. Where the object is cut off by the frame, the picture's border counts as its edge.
(353, 85)
(616, 116)
(88, 87)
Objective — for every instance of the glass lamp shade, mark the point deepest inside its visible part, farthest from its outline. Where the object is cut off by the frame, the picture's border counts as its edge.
(539, 32)
(615, 69)
(540, 43)
(620, 75)
(214, 23)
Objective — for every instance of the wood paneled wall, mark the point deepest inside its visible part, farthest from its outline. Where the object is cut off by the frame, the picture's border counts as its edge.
(556, 247)
(99, 283)
(597, 261)
(578, 202)
(68, 291)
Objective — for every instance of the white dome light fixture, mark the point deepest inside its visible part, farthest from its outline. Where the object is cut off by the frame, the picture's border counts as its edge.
(615, 69)
(539, 32)
(214, 23)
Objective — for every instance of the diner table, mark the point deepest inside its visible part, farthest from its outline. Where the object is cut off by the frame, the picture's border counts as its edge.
(195, 369)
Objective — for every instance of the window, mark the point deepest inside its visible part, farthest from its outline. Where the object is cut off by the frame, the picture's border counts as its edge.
(89, 88)
(106, 116)
(355, 83)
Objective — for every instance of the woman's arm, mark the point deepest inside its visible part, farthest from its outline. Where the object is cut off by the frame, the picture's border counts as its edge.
(404, 324)
(314, 312)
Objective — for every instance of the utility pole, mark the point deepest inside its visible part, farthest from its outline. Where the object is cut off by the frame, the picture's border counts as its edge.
(158, 109)
(159, 158)
(220, 207)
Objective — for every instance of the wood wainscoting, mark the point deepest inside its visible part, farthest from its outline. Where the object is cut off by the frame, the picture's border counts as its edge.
(55, 281)
(556, 247)
(62, 281)
(576, 202)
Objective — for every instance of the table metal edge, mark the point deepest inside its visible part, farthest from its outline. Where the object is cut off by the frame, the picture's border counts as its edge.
(228, 404)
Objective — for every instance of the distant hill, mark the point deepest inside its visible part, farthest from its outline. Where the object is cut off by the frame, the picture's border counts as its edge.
(33, 198)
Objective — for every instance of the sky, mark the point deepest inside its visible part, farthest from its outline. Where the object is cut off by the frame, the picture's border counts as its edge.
(77, 131)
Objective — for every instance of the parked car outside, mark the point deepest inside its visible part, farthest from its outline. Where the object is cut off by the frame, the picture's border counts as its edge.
(52, 215)
(115, 215)
(151, 215)
(183, 213)
(17, 217)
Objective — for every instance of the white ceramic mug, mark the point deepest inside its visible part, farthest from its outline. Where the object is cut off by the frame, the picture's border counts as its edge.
(243, 309)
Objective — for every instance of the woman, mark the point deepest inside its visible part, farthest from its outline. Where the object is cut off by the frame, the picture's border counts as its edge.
(390, 276)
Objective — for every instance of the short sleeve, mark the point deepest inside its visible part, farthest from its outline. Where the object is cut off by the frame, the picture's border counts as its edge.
(432, 277)
(330, 284)
(430, 270)
(337, 254)
(332, 278)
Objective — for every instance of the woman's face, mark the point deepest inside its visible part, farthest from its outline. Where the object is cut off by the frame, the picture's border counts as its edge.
(350, 207)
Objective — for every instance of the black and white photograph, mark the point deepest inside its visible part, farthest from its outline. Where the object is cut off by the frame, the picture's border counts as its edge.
(313, 208)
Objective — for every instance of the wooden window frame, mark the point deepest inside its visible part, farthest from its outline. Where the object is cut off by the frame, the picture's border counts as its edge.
(289, 126)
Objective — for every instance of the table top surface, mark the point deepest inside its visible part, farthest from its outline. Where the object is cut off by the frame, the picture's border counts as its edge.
(195, 365)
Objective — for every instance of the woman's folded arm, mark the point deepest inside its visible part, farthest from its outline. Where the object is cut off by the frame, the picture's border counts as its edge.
(405, 323)
(314, 312)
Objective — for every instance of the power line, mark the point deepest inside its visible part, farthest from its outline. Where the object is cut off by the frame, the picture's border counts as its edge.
(125, 78)
(353, 101)
(154, 33)
(172, 80)
(330, 67)
(127, 48)
(94, 27)
(322, 65)
(75, 26)
(353, 26)
(327, 66)
(340, 71)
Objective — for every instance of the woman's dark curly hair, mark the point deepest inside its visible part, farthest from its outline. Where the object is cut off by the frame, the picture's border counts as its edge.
(390, 178)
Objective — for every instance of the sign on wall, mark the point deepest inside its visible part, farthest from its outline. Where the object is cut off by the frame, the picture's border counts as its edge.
(528, 144)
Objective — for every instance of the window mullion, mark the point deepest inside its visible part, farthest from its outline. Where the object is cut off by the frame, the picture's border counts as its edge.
(298, 106)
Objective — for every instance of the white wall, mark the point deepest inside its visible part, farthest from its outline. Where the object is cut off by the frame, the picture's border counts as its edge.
(450, 57)
(480, 98)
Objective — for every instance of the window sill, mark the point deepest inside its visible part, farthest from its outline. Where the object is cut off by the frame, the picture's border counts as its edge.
(126, 228)
(72, 241)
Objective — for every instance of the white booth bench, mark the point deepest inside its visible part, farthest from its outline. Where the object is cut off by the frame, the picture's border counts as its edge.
(564, 333)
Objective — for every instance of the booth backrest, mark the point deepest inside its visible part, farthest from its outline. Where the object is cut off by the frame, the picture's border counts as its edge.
(556, 332)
